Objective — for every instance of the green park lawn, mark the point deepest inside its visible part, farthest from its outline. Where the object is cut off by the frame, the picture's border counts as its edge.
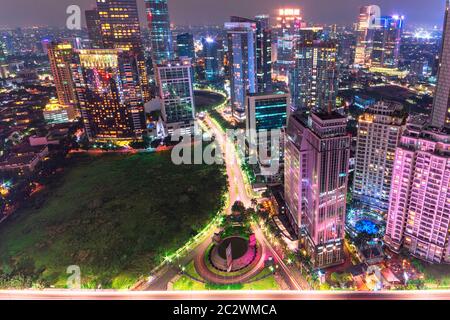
(185, 283)
(114, 216)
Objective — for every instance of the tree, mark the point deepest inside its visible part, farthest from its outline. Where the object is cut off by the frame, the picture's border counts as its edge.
(362, 238)
(238, 208)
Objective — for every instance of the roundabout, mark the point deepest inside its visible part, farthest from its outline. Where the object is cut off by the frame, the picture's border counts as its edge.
(231, 260)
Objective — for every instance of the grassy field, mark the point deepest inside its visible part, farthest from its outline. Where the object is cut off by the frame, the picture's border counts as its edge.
(114, 216)
(185, 283)
(206, 100)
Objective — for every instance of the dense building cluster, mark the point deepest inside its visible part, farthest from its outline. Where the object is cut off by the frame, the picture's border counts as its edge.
(345, 100)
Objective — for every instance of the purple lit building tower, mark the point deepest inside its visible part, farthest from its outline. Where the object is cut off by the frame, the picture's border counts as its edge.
(317, 151)
(419, 206)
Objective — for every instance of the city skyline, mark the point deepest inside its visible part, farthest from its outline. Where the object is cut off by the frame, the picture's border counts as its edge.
(271, 146)
(183, 12)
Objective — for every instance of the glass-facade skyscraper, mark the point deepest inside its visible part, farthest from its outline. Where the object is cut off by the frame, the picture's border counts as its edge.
(266, 111)
(242, 60)
(386, 42)
(160, 33)
(441, 106)
(185, 45)
(263, 50)
(212, 56)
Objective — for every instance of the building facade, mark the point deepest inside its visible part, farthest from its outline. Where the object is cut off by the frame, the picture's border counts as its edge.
(317, 151)
(120, 28)
(94, 28)
(212, 56)
(177, 94)
(441, 107)
(314, 78)
(364, 33)
(379, 131)
(288, 23)
(107, 82)
(185, 46)
(419, 209)
(242, 60)
(266, 111)
(160, 33)
(61, 57)
(386, 42)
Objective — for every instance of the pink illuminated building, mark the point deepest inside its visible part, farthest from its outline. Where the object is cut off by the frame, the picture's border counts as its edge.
(419, 210)
(316, 176)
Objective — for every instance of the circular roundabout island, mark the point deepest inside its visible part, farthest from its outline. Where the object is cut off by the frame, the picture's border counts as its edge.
(233, 254)
(232, 259)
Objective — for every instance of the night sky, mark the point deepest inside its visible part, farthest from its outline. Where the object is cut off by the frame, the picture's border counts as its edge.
(14, 13)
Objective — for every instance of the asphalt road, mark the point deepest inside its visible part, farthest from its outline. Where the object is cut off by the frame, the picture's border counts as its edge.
(223, 295)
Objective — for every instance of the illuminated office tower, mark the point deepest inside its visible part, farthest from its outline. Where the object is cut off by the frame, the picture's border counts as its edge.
(441, 106)
(266, 111)
(419, 204)
(289, 22)
(61, 56)
(379, 131)
(94, 28)
(121, 30)
(314, 78)
(368, 16)
(185, 46)
(160, 33)
(211, 53)
(242, 60)
(386, 41)
(263, 53)
(263, 50)
(107, 82)
(177, 94)
(317, 151)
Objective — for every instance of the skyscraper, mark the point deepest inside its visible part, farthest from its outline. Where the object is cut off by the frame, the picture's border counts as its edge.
(185, 46)
(289, 22)
(107, 82)
(314, 78)
(419, 204)
(263, 50)
(317, 150)
(441, 107)
(263, 53)
(94, 28)
(120, 28)
(387, 35)
(212, 59)
(366, 22)
(242, 59)
(160, 33)
(379, 131)
(61, 57)
(177, 93)
(266, 111)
